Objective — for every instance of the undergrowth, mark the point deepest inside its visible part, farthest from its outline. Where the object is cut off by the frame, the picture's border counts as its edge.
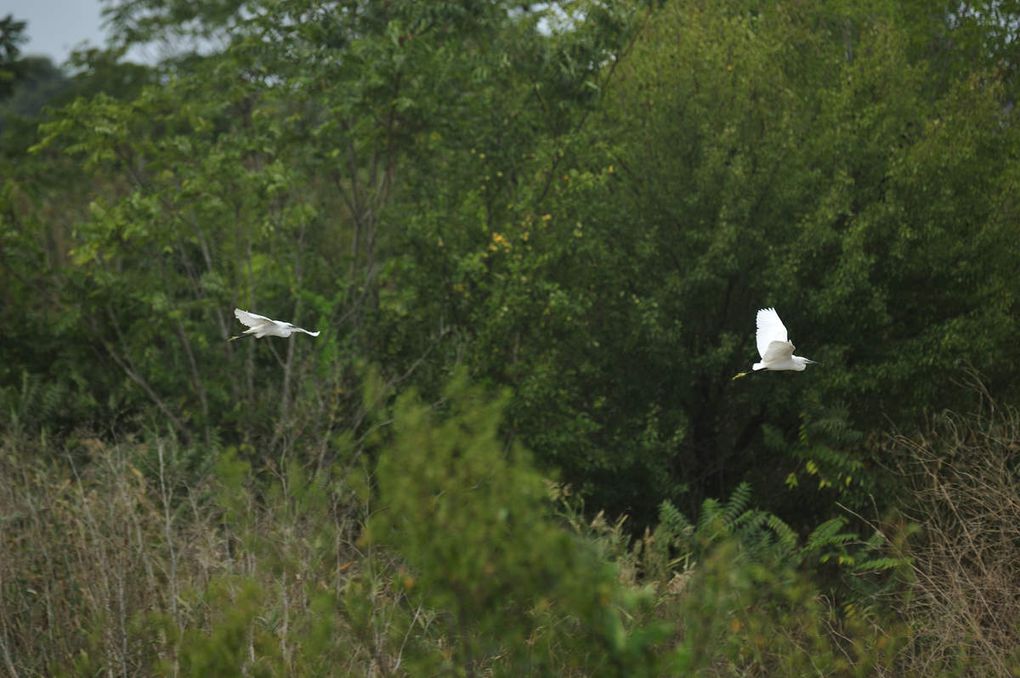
(451, 555)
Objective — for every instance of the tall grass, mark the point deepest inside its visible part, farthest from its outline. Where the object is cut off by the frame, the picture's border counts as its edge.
(141, 557)
(963, 475)
(120, 563)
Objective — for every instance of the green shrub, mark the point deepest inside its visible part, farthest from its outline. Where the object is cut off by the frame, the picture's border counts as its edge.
(518, 592)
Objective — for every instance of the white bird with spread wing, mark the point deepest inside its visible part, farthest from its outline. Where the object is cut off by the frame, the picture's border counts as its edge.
(261, 326)
(775, 346)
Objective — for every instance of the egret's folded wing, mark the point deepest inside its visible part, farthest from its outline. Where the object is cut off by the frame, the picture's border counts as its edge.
(777, 351)
(251, 319)
(770, 329)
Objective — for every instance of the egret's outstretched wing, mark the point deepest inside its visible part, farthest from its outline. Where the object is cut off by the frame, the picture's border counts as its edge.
(251, 319)
(777, 351)
(770, 329)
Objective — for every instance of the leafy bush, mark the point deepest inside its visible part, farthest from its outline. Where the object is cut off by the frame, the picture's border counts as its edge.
(472, 519)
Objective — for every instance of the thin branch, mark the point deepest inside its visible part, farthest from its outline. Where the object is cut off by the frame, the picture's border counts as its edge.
(125, 364)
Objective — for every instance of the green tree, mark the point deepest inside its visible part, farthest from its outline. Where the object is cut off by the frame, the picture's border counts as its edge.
(741, 155)
(12, 35)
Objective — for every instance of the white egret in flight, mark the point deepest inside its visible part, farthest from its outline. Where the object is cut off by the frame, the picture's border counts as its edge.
(261, 326)
(775, 346)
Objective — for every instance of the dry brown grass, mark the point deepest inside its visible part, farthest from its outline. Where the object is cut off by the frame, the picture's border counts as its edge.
(118, 566)
(84, 553)
(963, 476)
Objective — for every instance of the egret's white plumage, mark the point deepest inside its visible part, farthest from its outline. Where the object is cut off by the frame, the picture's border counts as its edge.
(261, 326)
(774, 344)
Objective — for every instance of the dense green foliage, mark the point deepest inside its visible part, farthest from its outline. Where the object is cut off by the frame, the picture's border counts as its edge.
(534, 237)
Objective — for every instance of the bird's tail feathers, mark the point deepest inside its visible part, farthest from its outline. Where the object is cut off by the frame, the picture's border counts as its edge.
(758, 366)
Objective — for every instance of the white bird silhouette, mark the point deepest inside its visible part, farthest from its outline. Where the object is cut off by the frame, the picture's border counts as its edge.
(261, 326)
(774, 345)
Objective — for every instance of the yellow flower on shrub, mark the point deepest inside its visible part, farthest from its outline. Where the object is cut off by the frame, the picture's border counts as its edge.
(499, 242)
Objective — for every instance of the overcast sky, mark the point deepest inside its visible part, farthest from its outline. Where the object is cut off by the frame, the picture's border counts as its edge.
(55, 27)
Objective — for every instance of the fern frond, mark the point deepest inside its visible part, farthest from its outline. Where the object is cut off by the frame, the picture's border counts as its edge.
(749, 521)
(825, 535)
(710, 513)
(785, 535)
(737, 503)
(674, 525)
(881, 564)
